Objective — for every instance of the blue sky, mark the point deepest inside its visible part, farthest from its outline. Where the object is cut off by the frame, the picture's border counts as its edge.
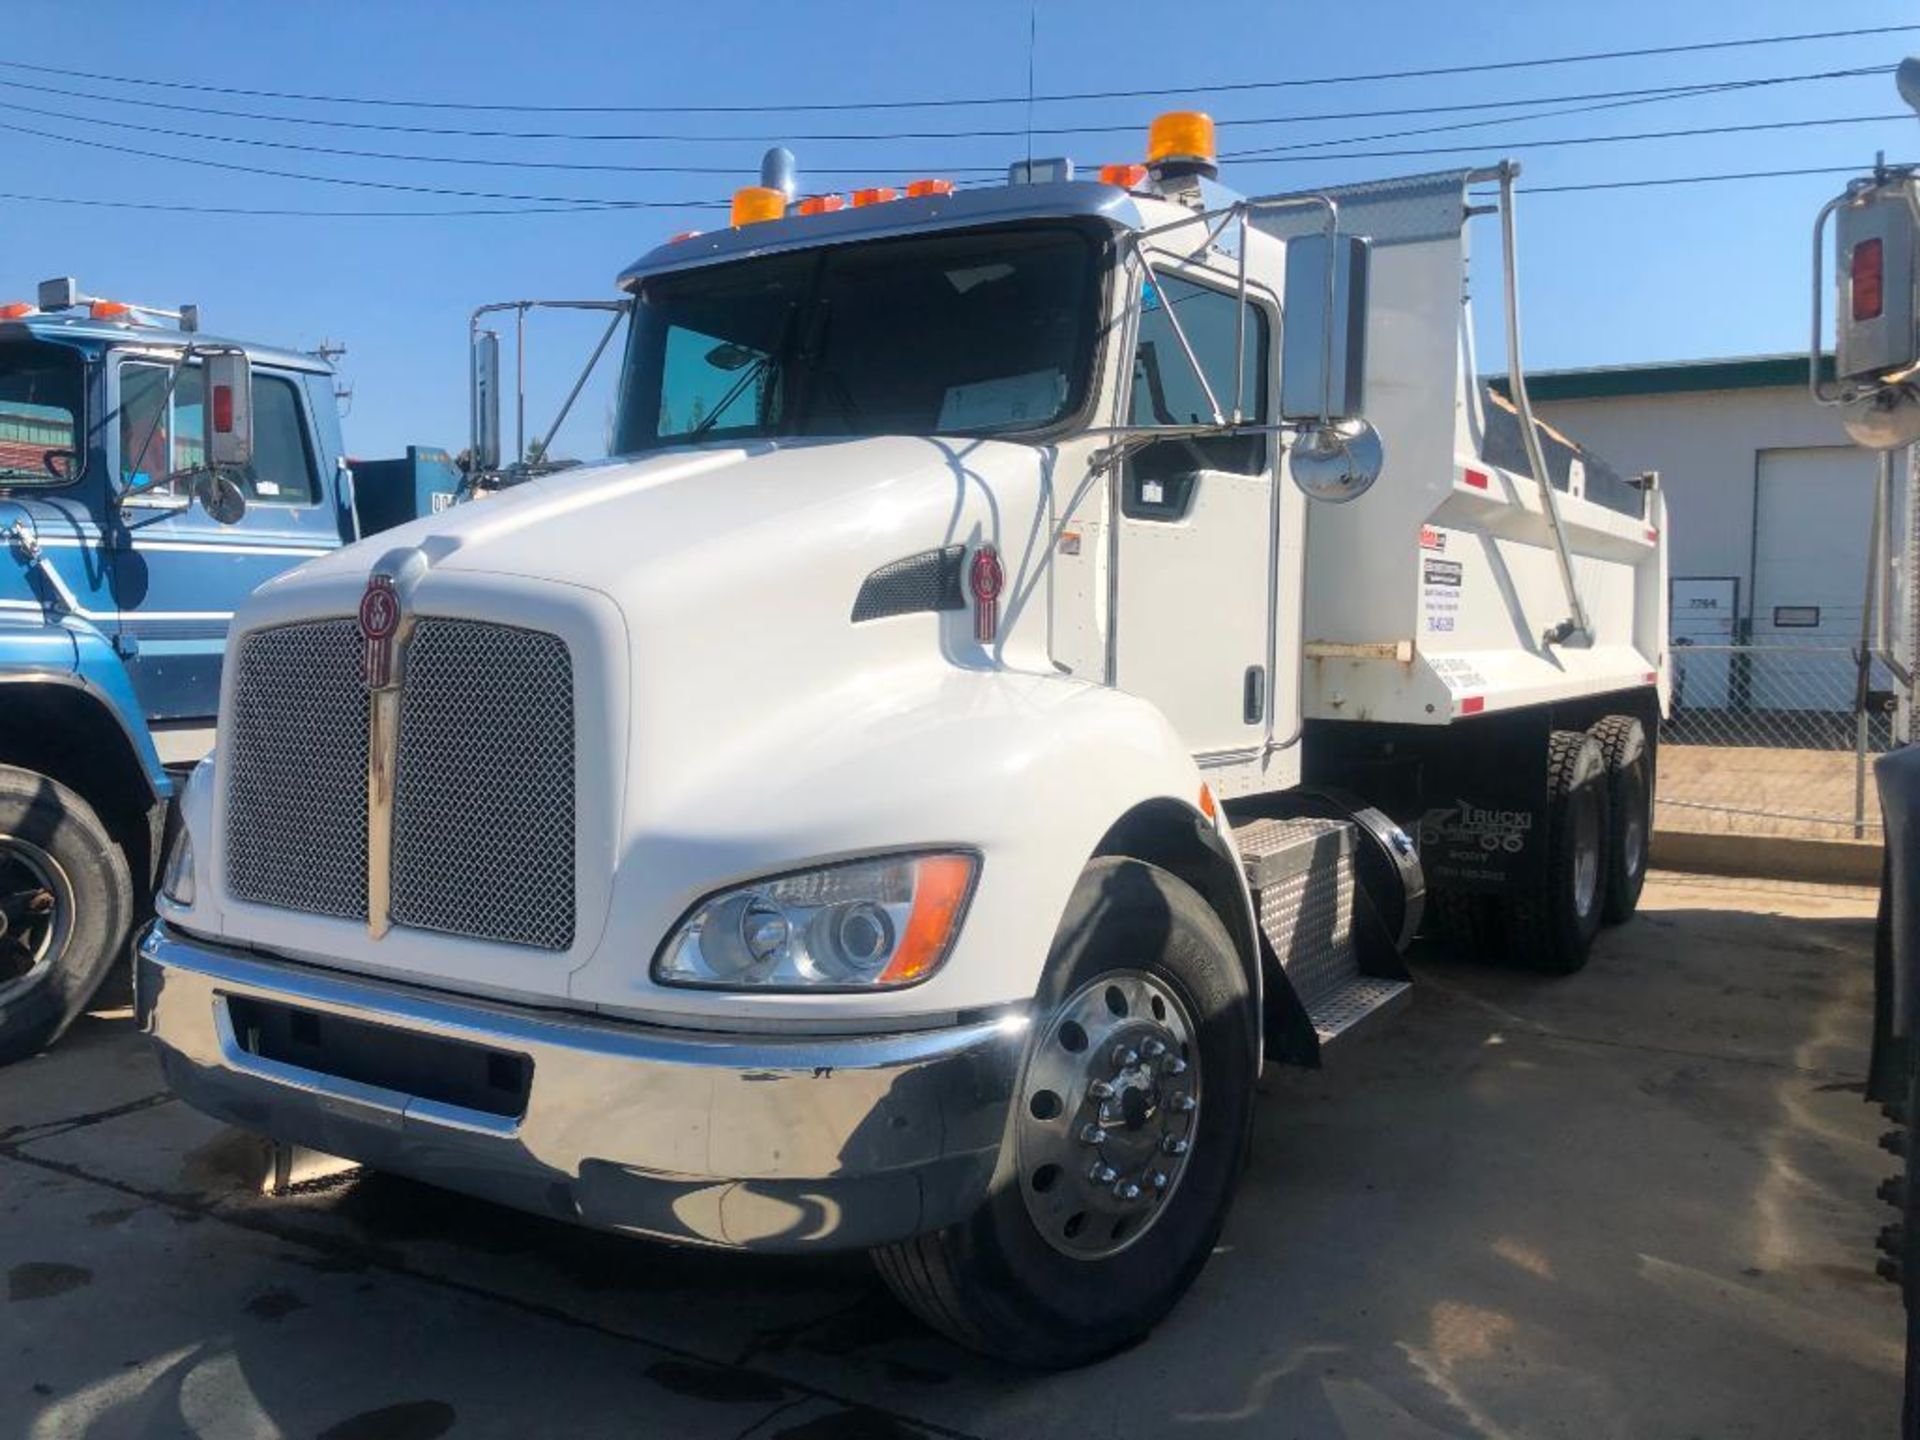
(1608, 277)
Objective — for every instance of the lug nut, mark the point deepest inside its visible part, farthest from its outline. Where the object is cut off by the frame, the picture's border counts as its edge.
(1153, 1049)
(1103, 1174)
(1175, 1065)
(1100, 1090)
(1125, 1057)
(1173, 1146)
(1091, 1134)
(1184, 1103)
(1126, 1190)
(1159, 1179)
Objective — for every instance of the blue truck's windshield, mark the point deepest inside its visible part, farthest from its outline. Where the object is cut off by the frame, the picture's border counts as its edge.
(40, 390)
(980, 332)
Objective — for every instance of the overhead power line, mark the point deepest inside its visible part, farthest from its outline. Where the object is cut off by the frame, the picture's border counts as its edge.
(792, 107)
(1653, 94)
(91, 202)
(1275, 158)
(588, 201)
(608, 167)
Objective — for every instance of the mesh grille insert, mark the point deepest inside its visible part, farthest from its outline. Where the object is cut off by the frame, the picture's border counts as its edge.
(927, 581)
(297, 776)
(483, 818)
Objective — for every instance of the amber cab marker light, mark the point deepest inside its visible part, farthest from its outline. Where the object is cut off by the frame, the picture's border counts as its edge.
(821, 204)
(109, 310)
(683, 235)
(755, 203)
(1180, 142)
(1127, 177)
(1208, 807)
(17, 310)
(874, 195)
(940, 889)
(918, 189)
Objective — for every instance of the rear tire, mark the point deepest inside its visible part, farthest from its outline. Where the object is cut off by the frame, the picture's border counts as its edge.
(1057, 1268)
(1630, 809)
(1467, 923)
(66, 902)
(1552, 928)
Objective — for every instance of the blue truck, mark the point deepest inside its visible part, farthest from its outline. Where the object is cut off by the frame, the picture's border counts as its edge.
(138, 506)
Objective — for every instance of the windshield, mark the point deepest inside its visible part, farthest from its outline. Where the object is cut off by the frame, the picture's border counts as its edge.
(982, 332)
(40, 388)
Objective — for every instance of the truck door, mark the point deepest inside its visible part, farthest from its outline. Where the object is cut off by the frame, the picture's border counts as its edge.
(179, 575)
(1195, 531)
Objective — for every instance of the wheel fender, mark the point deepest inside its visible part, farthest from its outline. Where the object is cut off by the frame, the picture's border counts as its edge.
(1030, 772)
(78, 658)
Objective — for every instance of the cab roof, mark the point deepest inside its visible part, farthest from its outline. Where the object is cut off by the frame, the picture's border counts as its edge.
(81, 329)
(914, 215)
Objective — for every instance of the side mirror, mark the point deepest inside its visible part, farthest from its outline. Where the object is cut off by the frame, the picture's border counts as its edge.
(228, 413)
(1324, 349)
(220, 495)
(485, 433)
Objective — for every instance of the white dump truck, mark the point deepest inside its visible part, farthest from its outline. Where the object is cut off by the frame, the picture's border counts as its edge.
(903, 797)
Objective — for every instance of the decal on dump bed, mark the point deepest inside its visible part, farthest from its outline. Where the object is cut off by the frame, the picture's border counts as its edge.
(1440, 594)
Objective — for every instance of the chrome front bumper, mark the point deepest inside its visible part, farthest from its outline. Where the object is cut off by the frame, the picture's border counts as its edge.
(764, 1142)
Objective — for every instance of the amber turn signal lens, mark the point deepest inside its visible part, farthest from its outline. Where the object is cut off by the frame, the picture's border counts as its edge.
(918, 188)
(821, 204)
(941, 886)
(874, 195)
(1127, 177)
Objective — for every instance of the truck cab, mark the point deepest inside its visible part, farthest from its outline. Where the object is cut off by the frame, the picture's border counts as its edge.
(1002, 690)
(117, 587)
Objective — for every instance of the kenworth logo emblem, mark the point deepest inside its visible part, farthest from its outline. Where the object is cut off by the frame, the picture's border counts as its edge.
(379, 620)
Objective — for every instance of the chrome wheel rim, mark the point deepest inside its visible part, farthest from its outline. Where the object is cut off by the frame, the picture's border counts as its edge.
(36, 914)
(1586, 854)
(1109, 1112)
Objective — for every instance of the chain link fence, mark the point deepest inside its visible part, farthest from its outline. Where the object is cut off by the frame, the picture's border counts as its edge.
(1774, 739)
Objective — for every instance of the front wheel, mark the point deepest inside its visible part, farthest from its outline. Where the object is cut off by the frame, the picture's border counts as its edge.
(1125, 1140)
(66, 902)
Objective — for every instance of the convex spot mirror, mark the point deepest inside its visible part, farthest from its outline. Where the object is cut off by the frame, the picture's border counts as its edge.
(1323, 356)
(228, 413)
(1336, 463)
(220, 495)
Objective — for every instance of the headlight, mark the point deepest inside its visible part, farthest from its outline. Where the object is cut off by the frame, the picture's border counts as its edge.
(871, 924)
(176, 880)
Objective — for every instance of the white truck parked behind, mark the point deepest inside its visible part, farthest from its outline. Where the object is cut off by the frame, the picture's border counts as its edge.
(902, 799)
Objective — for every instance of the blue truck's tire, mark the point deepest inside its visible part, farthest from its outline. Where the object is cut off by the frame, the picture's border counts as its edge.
(1001, 1281)
(66, 903)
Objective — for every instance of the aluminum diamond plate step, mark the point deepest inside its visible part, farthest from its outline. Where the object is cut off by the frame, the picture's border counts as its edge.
(1338, 1013)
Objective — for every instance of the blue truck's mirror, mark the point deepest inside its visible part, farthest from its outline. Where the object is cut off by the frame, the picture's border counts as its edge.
(220, 495)
(1324, 349)
(228, 414)
(486, 402)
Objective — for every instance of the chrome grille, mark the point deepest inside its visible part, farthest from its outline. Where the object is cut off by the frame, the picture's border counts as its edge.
(296, 757)
(483, 814)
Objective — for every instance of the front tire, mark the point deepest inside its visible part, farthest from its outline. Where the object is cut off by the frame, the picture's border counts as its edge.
(1125, 1141)
(1552, 928)
(66, 902)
